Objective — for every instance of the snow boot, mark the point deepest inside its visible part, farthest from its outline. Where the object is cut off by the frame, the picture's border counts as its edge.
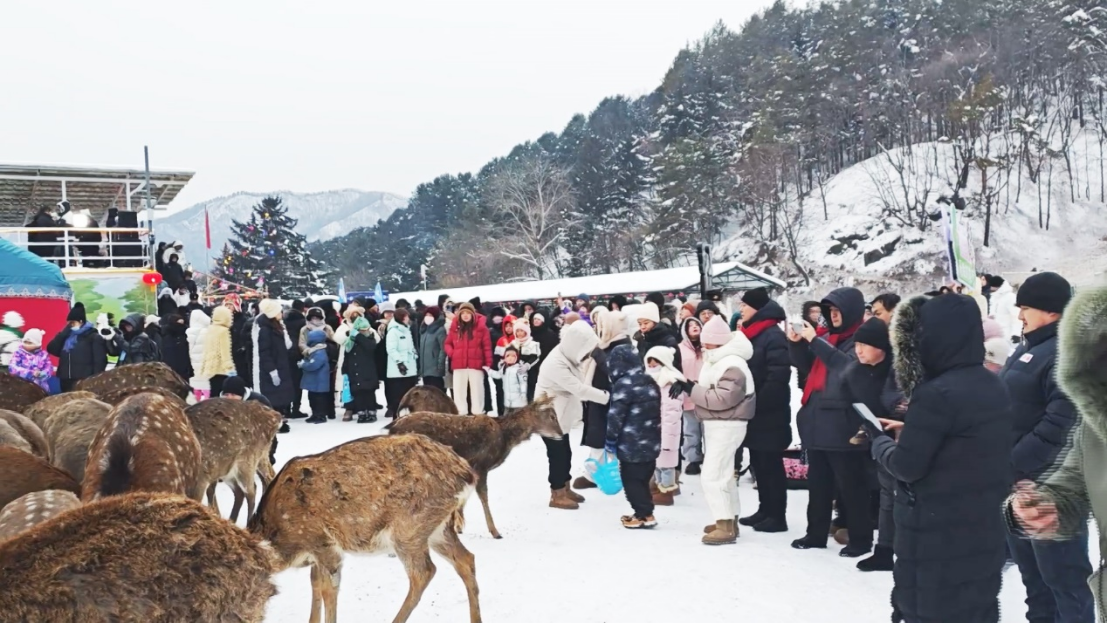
(367, 417)
(854, 551)
(284, 427)
(753, 520)
(559, 499)
(693, 468)
(708, 529)
(576, 497)
(583, 483)
(725, 533)
(882, 560)
(842, 537)
(808, 543)
(632, 522)
(770, 524)
(663, 498)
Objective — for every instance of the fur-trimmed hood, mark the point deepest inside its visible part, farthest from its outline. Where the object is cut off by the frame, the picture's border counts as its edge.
(931, 336)
(1081, 356)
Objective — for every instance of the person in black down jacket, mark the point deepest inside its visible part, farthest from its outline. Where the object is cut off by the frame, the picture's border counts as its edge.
(1054, 572)
(634, 431)
(136, 345)
(827, 423)
(952, 464)
(295, 321)
(770, 432)
(80, 350)
(653, 333)
(542, 331)
(272, 372)
(360, 365)
(175, 346)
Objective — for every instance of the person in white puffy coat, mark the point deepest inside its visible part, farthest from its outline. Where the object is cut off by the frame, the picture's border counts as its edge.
(199, 322)
(1002, 307)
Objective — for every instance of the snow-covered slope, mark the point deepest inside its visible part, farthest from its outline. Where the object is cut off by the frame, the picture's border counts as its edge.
(860, 243)
(321, 215)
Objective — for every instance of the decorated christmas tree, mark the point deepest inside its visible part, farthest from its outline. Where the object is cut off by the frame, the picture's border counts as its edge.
(267, 253)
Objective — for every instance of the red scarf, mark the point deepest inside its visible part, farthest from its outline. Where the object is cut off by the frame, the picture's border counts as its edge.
(817, 376)
(757, 327)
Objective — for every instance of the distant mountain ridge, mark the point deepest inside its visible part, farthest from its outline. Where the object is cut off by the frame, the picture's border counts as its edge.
(321, 215)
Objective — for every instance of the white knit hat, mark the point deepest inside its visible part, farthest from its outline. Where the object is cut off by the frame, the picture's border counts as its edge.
(649, 311)
(33, 337)
(662, 354)
(270, 308)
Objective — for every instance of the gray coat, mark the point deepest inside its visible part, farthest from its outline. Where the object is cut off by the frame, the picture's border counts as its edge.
(432, 353)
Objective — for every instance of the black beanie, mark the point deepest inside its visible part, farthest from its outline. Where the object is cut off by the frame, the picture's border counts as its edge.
(77, 313)
(994, 281)
(1049, 292)
(707, 305)
(756, 298)
(235, 386)
(874, 332)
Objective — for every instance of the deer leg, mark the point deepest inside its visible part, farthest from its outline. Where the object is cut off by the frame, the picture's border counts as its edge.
(317, 593)
(483, 493)
(248, 485)
(212, 501)
(265, 472)
(239, 497)
(417, 562)
(451, 548)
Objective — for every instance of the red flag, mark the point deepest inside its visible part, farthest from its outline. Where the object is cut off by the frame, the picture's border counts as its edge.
(207, 231)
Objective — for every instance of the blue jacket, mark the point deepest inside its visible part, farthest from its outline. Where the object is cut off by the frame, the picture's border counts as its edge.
(635, 412)
(316, 367)
(1042, 415)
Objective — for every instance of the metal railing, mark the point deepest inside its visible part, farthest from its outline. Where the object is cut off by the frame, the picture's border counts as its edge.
(85, 247)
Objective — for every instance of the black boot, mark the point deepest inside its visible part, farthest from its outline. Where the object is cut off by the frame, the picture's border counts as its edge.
(854, 551)
(693, 469)
(753, 520)
(363, 417)
(284, 427)
(807, 543)
(770, 524)
(882, 560)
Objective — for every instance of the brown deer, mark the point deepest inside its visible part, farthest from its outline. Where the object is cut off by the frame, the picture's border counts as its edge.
(114, 397)
(32, 509)
(139, 375)
(70, 431)
(25, 473)
(17, 394)
(403, 493)
(29, 431)
(483, 441)
(11, 438)
(145, 557)
(234, 436)
(427, 398)
(39, 411)
(146, 444)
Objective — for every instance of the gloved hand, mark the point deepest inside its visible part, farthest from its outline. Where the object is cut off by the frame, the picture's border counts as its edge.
(680, 387)
(276, 378)
(300, 364)
(403, 368)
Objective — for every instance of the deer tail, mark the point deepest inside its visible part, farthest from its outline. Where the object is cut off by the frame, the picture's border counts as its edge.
(118, 470)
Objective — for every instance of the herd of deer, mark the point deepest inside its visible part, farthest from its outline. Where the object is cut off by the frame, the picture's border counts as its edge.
(100, 491)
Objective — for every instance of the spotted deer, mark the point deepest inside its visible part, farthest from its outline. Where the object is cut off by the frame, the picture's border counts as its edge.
(17, 394)
(25, 473)
(483, 441)
(28, 430)
(402, 493)
(140, 376)
(29, 510)
(136, 557)
(11, 438)
(116, 396)
(427, 398)
(70, 431)
(234, 437)
(146, 444)
(39, 411)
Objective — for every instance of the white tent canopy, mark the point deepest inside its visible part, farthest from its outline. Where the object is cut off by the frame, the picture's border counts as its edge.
(729, 276)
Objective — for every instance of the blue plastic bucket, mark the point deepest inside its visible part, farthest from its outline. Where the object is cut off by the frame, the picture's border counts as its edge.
(605, 473)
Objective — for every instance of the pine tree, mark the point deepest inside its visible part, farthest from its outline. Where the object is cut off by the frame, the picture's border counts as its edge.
(267, 253)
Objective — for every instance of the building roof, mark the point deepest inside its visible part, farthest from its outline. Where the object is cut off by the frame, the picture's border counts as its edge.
(24, 188)
(24, 274)
(729, 276)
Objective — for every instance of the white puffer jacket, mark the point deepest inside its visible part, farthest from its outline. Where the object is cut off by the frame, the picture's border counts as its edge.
(1002, 305)
(199, 322)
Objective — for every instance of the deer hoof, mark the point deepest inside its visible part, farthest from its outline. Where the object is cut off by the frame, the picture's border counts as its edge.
(497, 536)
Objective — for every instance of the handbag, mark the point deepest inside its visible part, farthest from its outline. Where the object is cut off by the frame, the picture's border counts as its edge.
(347, 397)
(605, 473)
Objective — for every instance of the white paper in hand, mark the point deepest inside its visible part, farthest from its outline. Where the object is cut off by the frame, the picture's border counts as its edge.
(868, 415)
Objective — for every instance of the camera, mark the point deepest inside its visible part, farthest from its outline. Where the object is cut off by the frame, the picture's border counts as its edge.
(104, 326)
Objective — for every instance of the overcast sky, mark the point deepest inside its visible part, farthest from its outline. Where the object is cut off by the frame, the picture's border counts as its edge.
(263, 95)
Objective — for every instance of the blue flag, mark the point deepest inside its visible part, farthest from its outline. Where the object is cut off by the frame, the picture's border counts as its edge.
(342, 291)
(378, 295)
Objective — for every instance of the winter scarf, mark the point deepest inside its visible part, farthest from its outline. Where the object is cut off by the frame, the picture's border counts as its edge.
(757, 327)
(360, 324)
(74, 335)
(817, 376)
(733, 354)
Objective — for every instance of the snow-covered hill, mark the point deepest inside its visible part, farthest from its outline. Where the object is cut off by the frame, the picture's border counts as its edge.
(861, 243)
(321, 215)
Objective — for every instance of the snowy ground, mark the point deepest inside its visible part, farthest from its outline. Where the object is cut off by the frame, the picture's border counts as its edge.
(556, 566)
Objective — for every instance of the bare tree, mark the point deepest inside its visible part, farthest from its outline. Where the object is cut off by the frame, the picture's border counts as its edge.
(533, 196)
(903, 180)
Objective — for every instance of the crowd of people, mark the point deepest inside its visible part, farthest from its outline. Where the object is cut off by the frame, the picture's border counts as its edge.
(941, 478)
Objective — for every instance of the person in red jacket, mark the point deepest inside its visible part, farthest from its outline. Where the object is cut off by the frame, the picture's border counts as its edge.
(469, 347)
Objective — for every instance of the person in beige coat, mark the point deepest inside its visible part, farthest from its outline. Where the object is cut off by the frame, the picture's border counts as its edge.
(723, 399)
(562, 377)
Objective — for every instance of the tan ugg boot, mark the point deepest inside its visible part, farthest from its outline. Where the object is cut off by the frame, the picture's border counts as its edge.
(710, 528)
(559, 499)
(583, 483)
(725, 533)
(663, 498)
(573, 495)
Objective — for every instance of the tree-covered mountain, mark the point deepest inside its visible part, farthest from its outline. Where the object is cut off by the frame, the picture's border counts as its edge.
(748, 127)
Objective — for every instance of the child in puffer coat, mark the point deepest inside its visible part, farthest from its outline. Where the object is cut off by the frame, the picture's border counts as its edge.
(659, 365)
(634, 432)
(512, 373)
(31, 362)
(316, 378)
